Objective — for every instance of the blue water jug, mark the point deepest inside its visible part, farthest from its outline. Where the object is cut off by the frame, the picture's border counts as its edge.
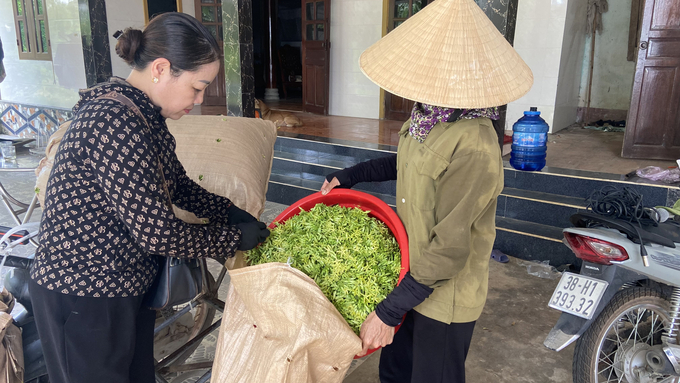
(529, 136)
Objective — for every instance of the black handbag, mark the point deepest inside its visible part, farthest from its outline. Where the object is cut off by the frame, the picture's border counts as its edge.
(179, 280)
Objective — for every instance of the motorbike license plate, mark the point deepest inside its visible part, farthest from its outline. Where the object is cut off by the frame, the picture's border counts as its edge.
(578, 295)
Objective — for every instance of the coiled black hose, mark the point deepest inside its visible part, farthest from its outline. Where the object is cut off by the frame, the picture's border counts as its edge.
(621, 203)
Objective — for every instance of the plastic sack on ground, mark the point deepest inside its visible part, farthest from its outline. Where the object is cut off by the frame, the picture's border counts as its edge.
(541, 269)
(655, 173)
(278, 327)
(228, 156)
(11, 349)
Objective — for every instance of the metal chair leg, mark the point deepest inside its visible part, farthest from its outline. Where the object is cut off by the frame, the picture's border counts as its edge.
(205, 377)
(160, 379)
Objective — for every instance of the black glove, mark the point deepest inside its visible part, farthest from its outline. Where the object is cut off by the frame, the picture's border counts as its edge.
(375, 170)
(236, 216)
(252, 234)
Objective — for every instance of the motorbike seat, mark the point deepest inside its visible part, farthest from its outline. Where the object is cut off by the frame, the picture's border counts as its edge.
(663, 234)
(669, 229)
(16, 282)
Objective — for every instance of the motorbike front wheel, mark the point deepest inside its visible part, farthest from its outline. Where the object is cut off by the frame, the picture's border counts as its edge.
(613, 349)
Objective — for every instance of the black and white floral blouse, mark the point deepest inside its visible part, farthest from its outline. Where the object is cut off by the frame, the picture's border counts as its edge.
(106, 216)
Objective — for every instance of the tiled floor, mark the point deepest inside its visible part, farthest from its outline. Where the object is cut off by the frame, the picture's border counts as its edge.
(288, 105)
(571, 148)
(592, 150)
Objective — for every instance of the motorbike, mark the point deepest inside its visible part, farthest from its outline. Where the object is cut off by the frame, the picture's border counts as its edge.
(16, 282)
(622, 310)
(177, 333)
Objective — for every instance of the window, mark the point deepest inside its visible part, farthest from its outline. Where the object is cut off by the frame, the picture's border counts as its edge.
(30, 21)
(209, 13)
(402, 10)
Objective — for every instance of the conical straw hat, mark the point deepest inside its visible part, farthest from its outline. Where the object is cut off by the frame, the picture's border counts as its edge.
(448, 54)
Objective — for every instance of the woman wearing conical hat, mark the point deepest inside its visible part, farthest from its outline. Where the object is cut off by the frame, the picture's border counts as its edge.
(458, 68)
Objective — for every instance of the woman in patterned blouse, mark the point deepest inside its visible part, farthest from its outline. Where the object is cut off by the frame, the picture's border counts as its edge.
(107, 214)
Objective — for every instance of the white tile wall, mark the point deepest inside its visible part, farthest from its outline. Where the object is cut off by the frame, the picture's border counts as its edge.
(543, 28)
(123, 14)
(52, 83)
(355, 25)
(188, 7)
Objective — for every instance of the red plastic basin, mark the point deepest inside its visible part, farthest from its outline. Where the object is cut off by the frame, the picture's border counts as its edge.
(356, 199)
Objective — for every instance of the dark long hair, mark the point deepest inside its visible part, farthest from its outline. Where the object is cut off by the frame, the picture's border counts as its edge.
(177, 37)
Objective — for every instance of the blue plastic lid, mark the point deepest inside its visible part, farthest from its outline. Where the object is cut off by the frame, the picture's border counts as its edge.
(531, 121)
(533, 111)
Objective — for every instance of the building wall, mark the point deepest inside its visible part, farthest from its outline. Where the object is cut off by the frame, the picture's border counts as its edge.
(130, 13)
(538, 40)
(50, 83)
(355, 25)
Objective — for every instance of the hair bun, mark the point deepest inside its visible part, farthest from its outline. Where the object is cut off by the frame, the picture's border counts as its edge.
(128, 44)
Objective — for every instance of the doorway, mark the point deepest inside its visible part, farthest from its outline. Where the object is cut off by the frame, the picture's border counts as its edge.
(644, 94)
(291, 53)
(278, 56)
(292, 65)
(156, 7)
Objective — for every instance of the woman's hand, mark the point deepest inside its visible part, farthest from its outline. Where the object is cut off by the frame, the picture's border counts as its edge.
(328, 186)
(374, 333)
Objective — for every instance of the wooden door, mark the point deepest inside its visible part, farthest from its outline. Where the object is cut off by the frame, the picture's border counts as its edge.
(653, 127)
(209, 13)
(315, 55)
(397, 108)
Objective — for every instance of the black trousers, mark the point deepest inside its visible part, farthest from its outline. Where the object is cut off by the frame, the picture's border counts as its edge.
(426, 351)
(88, 340)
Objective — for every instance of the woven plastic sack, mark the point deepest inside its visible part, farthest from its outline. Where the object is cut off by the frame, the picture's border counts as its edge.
(11, 349)
(278, 327)
(228, 156)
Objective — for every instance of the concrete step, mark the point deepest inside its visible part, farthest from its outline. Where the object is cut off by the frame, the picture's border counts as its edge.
(339, 150)
(307, 167)
(580, 184)
(538, 207)
(555, 199)
(532, 241)
(287, 190)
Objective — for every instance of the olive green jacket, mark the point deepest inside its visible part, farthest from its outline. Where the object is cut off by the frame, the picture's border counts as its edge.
(446, 198)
